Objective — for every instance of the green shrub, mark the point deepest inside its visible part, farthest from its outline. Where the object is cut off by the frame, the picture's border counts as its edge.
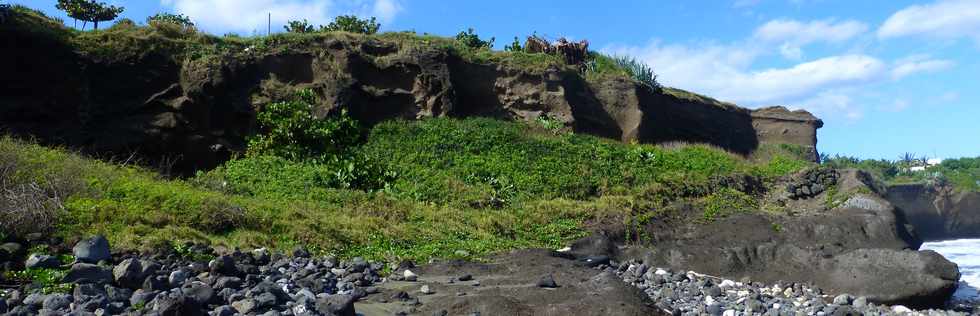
(514, 46)
(291, 130)
(472, 40)
(728, 201)
(170, 18)
(298, 27)
(353, 24)
(639, 71)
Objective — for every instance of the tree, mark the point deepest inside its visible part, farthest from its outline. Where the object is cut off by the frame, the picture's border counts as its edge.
(299, 27)
(470, 39)
(100, 11)
(353, 24)
(74, 10)
(176, 19)
(89, 11)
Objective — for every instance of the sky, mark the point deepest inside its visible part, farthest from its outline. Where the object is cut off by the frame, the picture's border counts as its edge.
(887, 77)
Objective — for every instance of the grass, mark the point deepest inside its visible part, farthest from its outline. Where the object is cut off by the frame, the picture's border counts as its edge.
(478, 185)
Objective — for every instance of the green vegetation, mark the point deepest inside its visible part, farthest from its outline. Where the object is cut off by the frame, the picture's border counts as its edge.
(175, 19)
(962, 174)
(728, 201)
(472, 40)
(599, 65)
(343, 23)
(478, 185)
(48, 279)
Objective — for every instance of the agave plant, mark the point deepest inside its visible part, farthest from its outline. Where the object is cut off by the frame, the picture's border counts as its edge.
(639, 70)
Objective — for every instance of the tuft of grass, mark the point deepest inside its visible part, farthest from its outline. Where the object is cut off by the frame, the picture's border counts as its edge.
(48, 279)
(728, 201)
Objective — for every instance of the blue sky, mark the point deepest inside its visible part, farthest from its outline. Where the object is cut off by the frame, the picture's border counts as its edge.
(887, 77)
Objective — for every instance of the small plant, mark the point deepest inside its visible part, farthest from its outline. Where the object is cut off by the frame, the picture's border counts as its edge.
(139, 306)
(776, 227)
(550, 124)
(639, 71)
(298, 27)
(353, 24)
(472, 40)
(514, 46)
(727, 201)
(184, 251)
(48, 279)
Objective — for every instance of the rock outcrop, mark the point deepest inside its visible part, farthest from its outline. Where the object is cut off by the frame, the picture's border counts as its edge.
(938, 213)
(778, 125)
(861, 247)
(195, 112)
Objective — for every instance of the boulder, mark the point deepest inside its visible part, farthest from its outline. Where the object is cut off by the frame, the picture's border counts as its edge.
(888, 276)
(92, 250)
(339, 305)
(176, 304)
(39, 261)
(87, 273)
(129, 273)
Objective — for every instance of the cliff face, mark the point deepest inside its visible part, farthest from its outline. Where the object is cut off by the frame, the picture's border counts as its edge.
(938, 214)
(196, 112)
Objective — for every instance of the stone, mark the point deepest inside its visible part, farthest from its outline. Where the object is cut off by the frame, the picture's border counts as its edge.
(223, 265)
(860, 302)
(843, 299)
(712, 291)
(92, 250)
(465, 277)
(199, 292)
(339, 305)
(156, 283)
(714, 309)
(39, 261)
(410, 276)
(900, 309)
(141, 297)
(178, 277)
(12, 248)
(57, 302)
(265, 300)
(129, 273)
(87, 273)
(244, 306)
(223, 310)
(3, 306)
(426, 290)
(228, 282)
(176, 304)
(595, 261)
(117, 294)
(300, 252)
(547, 281)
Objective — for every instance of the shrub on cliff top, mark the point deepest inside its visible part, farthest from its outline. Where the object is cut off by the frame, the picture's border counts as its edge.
(470, 39)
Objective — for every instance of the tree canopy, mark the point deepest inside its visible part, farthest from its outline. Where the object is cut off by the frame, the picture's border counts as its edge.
(89, 11)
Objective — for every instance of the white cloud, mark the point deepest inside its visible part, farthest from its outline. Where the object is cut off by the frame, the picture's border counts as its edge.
(724, 72)
(802, 33)
(918, 64)
(795, 34)
(898, 105)
(941, 19)
(386, 10)
(252, 15)
(832, 104)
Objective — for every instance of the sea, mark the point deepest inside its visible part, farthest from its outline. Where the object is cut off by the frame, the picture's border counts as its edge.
(966, 254)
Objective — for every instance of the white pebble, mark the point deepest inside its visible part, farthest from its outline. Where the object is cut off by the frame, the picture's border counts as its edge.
(730, 312)
(726, 284)
(426, 290)
(899, 309)
(566, 249)
(660, 271)
(410, 276)
(708, 300)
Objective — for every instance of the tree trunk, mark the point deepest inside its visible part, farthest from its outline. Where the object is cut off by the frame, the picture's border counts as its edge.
(96, 25)
(83, 25)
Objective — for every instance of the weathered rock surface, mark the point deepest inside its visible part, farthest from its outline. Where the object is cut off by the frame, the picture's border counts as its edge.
(861, 247)
(200, 111)
(938, 213)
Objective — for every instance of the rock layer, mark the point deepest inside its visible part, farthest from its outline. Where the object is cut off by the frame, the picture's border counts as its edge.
(197, 112)
(938, 213)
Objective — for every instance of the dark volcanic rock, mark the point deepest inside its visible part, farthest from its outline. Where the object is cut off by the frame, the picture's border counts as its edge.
(938, 213)
(129, 273)
(340, 305)
(87, 273)
(39, 261)
(92, 250)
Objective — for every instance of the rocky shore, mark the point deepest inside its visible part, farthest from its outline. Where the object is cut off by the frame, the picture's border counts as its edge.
(198, 281)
